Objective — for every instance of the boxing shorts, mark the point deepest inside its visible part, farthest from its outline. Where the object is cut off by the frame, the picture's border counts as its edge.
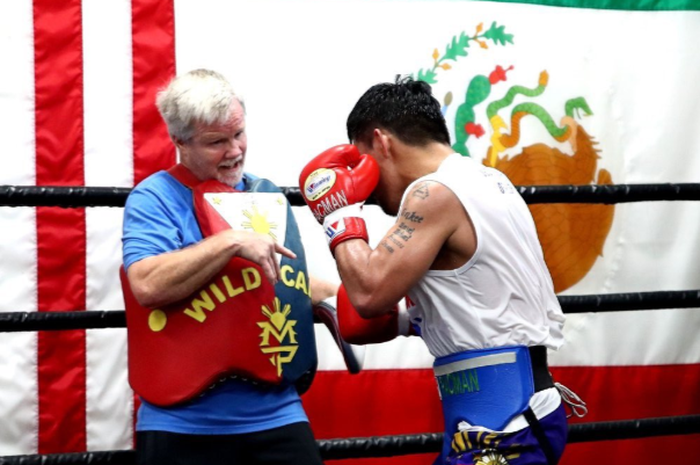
(489, 387)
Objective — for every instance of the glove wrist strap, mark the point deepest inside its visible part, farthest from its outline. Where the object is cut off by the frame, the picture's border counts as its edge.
(345, 229)
(354, 210)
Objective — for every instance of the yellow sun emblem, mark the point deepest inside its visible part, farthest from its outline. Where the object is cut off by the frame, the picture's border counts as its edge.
(259, 222)
(278, 314)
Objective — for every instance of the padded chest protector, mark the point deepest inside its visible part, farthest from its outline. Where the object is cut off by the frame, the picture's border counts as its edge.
(237, 324)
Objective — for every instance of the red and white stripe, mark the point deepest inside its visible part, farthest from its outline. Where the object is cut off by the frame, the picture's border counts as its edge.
(81, 78)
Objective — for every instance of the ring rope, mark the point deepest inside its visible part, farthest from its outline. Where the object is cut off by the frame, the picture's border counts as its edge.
(390, 446)
(82, 196)
(656, 300)
(97, 319)
(58, 321)
(609, 193)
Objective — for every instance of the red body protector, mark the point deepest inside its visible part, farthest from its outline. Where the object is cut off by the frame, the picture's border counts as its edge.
(238, 324)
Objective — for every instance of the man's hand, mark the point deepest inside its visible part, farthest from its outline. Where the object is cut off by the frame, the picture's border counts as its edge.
(260, 249)
(335, 184)
(356, 329)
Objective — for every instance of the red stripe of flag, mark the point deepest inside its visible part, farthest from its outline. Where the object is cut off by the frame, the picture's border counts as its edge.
(153, 61)
(375, 403)
(632, 392)
(60, 232)
(153, 47)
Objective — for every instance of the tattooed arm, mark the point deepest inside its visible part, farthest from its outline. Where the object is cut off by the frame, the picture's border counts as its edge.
(431, 231)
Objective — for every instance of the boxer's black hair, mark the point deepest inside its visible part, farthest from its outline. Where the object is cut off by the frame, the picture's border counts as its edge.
(406, 108)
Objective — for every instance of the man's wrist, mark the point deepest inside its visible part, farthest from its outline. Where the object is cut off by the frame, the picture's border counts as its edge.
(349, 211)
(344, 229)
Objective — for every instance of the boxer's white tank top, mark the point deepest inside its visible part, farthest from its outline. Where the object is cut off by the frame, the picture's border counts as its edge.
(503, 295)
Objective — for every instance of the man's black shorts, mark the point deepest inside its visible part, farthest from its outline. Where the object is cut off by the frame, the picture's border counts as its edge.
(286, 445)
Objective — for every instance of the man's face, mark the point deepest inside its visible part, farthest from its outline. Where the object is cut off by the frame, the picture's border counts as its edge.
(217, 151)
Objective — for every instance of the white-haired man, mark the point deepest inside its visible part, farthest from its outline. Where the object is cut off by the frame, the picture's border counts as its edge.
(168, 259)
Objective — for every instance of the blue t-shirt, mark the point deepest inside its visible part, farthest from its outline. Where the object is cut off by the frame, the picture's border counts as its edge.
(159, 218)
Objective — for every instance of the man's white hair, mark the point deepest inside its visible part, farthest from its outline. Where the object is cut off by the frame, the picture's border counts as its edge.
(199, 96)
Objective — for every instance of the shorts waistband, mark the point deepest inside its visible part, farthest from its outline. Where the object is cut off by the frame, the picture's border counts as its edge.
(538, 359)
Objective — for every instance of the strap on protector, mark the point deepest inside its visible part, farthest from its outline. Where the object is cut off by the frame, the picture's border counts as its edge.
(237, 324)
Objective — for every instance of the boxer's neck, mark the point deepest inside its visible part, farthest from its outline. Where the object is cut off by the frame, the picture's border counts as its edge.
(414, 162)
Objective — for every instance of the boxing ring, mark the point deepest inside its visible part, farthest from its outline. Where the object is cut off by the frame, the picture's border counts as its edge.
(378, 446)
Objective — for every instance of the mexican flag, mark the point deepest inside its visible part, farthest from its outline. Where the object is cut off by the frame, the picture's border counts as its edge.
(553, 92)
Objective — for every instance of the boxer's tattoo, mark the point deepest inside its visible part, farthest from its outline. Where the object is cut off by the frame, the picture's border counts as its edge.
(396, 242)
(421, 191)
(411, 216)
(403, 231)
(398, 238)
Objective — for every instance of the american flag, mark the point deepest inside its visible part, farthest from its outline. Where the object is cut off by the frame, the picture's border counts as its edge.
(77, 98)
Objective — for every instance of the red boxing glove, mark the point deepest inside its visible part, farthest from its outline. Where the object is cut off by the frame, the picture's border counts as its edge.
(357, 330)
(335, 184)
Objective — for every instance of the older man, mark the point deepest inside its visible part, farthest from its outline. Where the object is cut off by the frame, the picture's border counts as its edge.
(196, 313)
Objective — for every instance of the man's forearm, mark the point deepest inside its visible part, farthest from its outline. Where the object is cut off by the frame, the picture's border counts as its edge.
(321, 289)
(169, 277)
(172, 276)
(362, 278)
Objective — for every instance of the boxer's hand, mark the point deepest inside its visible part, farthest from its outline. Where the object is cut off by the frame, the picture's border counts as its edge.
(357, 330)
(335, 184)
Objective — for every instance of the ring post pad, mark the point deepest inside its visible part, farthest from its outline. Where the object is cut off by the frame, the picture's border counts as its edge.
(238, 323)
(484, 387)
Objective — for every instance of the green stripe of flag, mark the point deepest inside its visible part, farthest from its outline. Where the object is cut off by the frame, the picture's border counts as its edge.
(638, 5)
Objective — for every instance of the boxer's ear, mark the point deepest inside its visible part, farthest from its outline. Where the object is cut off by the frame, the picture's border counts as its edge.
(381, 142)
